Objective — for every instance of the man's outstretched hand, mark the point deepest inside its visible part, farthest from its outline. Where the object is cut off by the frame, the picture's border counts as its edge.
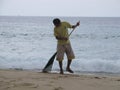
(77, 24)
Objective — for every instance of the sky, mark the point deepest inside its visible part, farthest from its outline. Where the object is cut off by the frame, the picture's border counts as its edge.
(82, 8)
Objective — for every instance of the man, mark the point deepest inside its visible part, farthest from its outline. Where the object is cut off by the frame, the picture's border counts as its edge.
(63, 44)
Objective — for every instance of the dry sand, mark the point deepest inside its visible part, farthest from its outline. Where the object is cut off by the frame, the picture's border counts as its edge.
(31, 80)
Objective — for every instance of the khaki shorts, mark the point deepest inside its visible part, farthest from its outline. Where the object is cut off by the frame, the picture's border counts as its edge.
(61, 49)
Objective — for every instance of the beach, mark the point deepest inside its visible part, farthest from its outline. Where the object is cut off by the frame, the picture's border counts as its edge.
(33, 80)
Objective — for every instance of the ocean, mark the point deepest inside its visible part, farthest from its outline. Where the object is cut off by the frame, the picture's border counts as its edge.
(28, 42)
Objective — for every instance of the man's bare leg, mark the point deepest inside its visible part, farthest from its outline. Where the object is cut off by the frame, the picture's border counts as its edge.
(61, 69)
(68, 66)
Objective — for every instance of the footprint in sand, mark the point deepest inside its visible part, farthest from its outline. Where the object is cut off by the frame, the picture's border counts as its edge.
(118, 80)
(58, 88)
(27, 85)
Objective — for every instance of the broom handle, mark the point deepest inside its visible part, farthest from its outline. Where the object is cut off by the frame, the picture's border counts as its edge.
(71, 32)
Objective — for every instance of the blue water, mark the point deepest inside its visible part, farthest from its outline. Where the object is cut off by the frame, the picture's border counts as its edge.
(28, 43)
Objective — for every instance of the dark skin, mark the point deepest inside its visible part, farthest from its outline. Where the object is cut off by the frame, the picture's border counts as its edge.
(69, 61)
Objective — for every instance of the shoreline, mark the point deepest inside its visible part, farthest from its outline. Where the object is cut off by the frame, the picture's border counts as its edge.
(75, 72)
(32, 80)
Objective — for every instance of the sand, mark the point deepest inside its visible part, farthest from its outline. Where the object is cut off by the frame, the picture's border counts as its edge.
(31, 80)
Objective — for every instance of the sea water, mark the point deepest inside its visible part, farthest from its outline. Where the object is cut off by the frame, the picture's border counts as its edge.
(29, 42)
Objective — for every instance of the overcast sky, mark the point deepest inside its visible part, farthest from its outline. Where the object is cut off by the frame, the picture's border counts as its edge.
(90, 8)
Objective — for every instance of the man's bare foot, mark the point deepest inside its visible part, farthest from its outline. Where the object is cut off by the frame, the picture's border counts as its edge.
(69, 70)
(61, 71)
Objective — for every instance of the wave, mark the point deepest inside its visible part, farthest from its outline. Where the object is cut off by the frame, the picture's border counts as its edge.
(95, 36)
